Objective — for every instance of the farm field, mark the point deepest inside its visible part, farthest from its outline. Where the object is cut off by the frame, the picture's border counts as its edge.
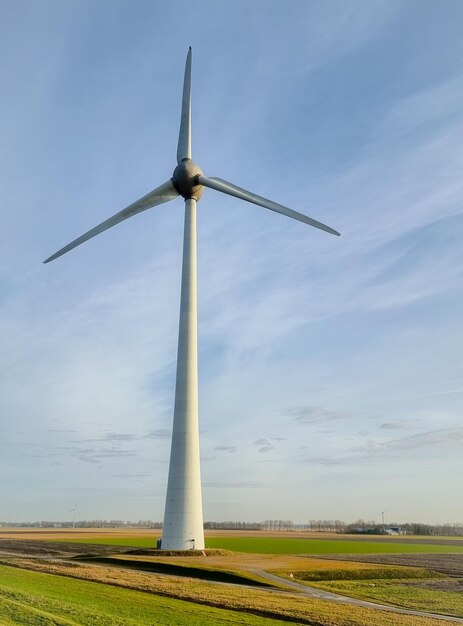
(275, 545)
(90, 596)
(285, 545)
(263, 542)
(154, 533)
(425, 577)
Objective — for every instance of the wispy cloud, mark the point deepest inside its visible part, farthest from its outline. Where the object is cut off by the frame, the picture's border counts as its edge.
(316, 415)
(397, 425)
(444, 392)
(98, 456)
(376, 451)
(159, 433)
(264, 449)
(264, 445)
(443, 437)
(133, 476)
(234, 485)
(438, 104)
(61, 430)
(226, 448)
(119, 437)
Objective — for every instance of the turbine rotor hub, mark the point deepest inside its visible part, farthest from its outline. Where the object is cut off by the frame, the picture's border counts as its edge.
(185, 178)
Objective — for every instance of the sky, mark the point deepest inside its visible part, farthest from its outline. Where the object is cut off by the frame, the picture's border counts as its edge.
(330, 368)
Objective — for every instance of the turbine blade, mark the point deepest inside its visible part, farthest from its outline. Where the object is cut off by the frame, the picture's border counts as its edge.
(184, 136)
(161, 194)
(225, 187)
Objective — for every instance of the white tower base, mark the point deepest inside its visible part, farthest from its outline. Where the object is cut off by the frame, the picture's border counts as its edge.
(183, 519)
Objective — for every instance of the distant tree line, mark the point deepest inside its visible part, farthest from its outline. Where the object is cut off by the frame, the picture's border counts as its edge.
(409, 528)
(325, 525)
(358, 527)
(277, 524)
(435, 529)
(268, 524)
(92, 523)
(233, 525)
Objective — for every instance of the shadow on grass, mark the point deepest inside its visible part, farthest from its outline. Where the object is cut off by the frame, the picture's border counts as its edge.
(175, 570)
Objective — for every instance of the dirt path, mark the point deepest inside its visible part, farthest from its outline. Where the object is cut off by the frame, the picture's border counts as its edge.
(320, 594)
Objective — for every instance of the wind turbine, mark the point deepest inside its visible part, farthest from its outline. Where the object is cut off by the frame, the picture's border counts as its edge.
(183, 518)
(74, 509)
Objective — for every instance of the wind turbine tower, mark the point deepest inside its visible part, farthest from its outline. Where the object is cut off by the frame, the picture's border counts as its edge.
(183, 518)
(74, 509)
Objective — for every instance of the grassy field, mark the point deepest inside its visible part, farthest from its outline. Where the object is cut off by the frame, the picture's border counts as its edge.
(106, 587)
(70, 599)
(39, 599)
(250, 566)
(198, 570)
(411, 587)
(276, 545)
(408, 594)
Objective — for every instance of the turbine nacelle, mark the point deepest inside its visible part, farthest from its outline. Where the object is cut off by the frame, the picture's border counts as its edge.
(185, 180)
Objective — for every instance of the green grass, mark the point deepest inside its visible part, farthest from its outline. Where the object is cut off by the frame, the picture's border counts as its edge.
(323, 546)
(399, 594)
(36, 599)
(47, 600)
(270, 545)
(408, 587)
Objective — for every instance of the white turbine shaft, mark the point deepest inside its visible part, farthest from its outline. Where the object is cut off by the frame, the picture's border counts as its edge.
(183, 519)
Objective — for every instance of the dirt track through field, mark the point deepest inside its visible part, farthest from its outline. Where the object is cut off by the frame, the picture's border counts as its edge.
(335, 597)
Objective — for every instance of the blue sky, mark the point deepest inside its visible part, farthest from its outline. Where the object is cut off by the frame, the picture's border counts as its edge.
(330, 368)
